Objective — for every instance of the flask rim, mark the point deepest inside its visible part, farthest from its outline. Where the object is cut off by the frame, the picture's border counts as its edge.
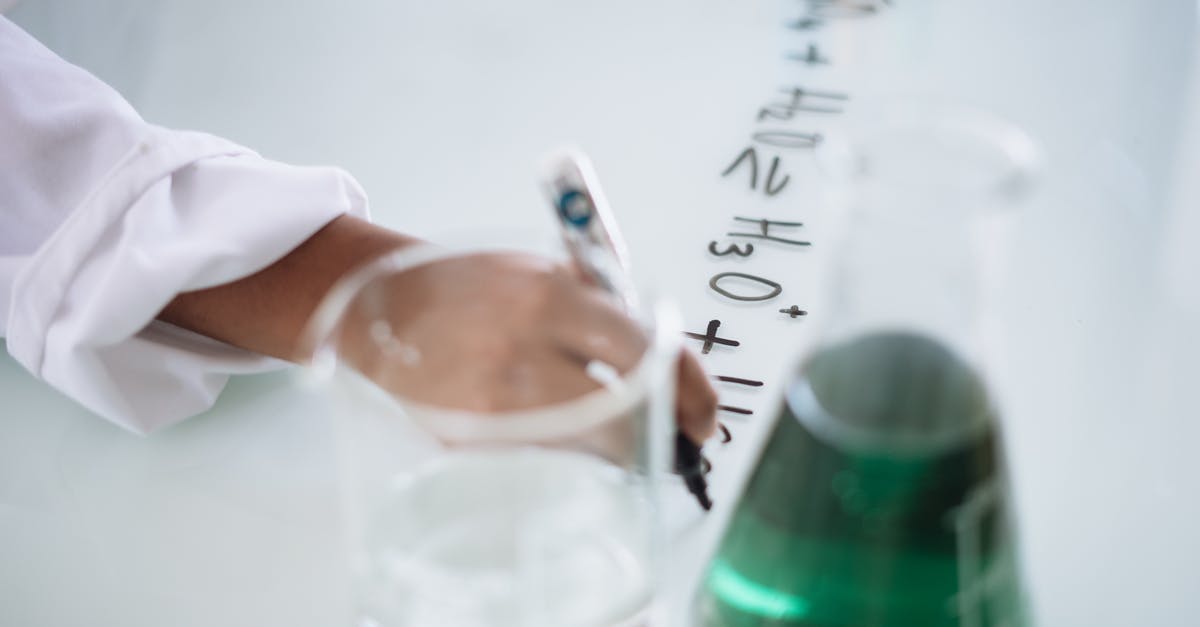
(804, 404)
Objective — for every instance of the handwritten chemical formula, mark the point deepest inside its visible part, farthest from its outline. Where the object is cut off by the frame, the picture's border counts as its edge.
(785, 129)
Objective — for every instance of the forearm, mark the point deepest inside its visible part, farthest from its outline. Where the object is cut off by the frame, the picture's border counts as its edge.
(266, 311)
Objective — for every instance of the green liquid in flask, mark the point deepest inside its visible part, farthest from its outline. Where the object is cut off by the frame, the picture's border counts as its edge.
(877, 501)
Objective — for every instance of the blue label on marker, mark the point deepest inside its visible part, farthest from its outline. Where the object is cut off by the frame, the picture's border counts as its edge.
(575, 207)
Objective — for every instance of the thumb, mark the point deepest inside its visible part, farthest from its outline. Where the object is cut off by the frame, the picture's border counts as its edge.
(696, 400)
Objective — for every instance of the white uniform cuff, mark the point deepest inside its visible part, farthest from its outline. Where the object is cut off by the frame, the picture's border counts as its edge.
(182, 211)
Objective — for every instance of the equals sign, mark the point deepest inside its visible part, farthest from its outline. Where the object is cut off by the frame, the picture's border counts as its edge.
(740, 381)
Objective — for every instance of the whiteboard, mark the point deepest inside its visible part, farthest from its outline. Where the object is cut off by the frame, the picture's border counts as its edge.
(443, 111)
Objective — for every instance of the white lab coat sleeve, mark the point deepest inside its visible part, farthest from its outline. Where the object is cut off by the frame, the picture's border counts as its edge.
(105, 218)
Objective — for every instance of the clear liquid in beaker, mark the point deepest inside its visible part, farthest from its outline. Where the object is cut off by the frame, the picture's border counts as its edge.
(522, 537)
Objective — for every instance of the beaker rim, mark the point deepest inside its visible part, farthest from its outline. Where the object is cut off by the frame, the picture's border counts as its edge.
(845, 154)
(543, 422)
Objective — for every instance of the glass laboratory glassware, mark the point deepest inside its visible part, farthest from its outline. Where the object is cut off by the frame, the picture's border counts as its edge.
(880, 497)
(533, 513)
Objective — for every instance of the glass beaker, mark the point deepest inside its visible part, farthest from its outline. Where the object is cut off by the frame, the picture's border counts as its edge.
(530, 505)
(880, 497)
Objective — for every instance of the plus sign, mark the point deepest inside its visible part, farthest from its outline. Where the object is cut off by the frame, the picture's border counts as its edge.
(710, 337)
(794, 311)
(812, 56)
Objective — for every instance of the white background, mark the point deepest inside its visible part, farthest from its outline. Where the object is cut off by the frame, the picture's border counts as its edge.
(442, 110)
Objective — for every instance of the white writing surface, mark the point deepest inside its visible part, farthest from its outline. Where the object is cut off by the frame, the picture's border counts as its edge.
(443, 110)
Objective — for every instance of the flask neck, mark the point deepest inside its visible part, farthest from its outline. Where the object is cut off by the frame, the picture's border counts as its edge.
(924, 206)
(910, 263)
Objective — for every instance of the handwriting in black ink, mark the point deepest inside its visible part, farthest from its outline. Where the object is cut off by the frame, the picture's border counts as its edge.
(829, 102)
(788, 139)
(738, 380)
(750, 155)
(842, 9)
(811, 56)
(793, 312)
(709, 337)
(822, 11)
(731, 249)
(775, 189)
(764, 231)
(715, 284)
(798, 94)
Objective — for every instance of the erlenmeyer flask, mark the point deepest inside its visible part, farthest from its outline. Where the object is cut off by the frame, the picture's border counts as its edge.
(880, 497)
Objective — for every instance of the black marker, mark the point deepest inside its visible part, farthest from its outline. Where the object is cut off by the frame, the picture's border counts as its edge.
(596, 246)
(691, 465)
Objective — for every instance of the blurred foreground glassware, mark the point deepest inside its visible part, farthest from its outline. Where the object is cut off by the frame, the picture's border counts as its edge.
(880, 497)
(538, 515)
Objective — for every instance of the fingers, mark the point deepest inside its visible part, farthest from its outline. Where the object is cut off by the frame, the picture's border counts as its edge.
(601, 331)
(696, 400)
(546, 376)
(572, 268)
(587, 323)
(507, 332)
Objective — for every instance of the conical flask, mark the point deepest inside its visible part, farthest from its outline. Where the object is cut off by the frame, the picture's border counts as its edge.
(880, 497)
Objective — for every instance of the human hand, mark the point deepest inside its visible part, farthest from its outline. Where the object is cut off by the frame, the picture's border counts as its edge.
(500, 332)
(485, 322)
